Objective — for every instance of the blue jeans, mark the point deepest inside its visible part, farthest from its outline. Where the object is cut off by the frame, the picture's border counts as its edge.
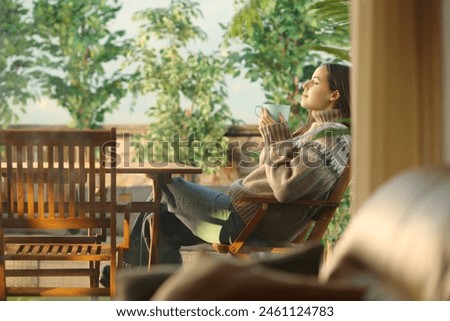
(191, 214)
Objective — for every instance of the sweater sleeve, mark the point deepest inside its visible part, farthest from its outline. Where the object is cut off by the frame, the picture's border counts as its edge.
(271, 134)
(275, 132)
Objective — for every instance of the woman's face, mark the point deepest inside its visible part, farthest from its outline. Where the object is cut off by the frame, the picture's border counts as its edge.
(316, 91)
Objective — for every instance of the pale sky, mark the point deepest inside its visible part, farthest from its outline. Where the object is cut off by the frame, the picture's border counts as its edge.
(243, 96)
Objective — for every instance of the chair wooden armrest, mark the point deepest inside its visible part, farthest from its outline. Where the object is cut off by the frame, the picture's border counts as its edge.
(298, 202)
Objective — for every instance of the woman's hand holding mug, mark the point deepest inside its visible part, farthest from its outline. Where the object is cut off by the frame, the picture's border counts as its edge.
(270, 112)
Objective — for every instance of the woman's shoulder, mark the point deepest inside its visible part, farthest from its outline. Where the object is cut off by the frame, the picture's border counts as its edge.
(325, 132)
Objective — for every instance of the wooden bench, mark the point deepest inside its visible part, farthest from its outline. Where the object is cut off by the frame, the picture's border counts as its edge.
(56, 207)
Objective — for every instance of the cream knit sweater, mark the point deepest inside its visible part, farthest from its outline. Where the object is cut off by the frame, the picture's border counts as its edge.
(290, 168)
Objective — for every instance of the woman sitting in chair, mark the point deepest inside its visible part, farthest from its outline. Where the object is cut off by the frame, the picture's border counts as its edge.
(305, 163)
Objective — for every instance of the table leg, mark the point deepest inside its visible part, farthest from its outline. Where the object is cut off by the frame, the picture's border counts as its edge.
(158, 181)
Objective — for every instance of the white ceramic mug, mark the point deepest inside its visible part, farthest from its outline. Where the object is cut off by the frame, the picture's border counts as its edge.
(274, 110)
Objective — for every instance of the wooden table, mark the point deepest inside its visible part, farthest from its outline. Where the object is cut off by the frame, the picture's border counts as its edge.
(160, 174)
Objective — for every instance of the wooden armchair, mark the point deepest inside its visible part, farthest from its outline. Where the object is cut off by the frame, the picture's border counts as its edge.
(56, 207)
(314, 232)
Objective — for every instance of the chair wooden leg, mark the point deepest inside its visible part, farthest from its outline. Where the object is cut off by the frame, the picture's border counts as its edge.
(247, 230)
(95, 267)
(2, 281)
(112, 277)
(91, 276)
(120, 258)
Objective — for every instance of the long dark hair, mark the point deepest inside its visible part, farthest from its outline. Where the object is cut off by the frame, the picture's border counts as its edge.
(338, 79)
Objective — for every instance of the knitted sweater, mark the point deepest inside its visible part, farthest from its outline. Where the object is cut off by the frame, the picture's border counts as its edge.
(293, 167)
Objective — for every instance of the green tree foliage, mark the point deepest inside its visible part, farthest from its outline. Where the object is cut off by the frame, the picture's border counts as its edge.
(80, 57)
(15, 60)
(190, 117)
